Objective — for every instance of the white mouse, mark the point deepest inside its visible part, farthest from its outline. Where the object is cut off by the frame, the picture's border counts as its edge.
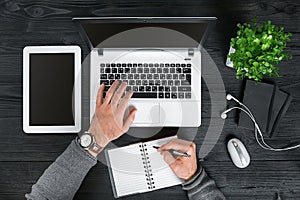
(238, 153)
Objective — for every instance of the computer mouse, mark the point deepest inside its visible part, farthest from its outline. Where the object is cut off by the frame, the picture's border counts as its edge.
(238, 153)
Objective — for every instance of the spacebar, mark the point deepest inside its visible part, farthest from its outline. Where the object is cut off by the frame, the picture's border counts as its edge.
(144, 95)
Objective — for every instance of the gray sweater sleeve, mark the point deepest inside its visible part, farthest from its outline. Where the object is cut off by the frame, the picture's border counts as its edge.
(201, 187)
(63, 178)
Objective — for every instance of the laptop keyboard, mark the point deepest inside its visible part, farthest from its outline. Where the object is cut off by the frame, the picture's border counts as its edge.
(147, 80)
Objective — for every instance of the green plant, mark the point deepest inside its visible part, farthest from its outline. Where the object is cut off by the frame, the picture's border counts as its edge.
(258, 49)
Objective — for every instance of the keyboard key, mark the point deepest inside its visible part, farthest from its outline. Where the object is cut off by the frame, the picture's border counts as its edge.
(106, 88)
(183, 65)
(107, 65)
(140, 70)
(184, 89)
(145, 82)
(172, 70)
(149, 76)
(148, 88)
(185, 82)
(151, 82)
(160, 95)
(177, 82)
(107, 70)
(180, 95)
(145, 65)
(140, 65)
(187, 70)
(169, 76)
(146, 70)
(143, 76)
(114, 70)
(134, 65)
(157, 82)
(144, 95)
(123, 64)
(167, 95)
(189, 65)
(103, 76)
(161, 88)
(111, 82)
(102, 65)
(102, 70)
(153, 70)
(125, 81)
(170, 82)
(178, 70)
(113, 64)
(133, 70)
(155, 76)
(167, 88)
(141, 88)
(156, 65)
(123, 76)
(120, 70)
(127, 70)
(161, 64)
(104, 82)
(138, 82)
(154, 88)
(173, 88)
(181, 76)
(177, 65)
(167, 65)
(159, 70)
(128, 88)
(175, 76)
(135, 88)
(111, 76)
(136, 76)
(174, 95)
(117, 76)
(150, 65)
(119, 65)
(162, 76)
(188, 77)
(130, 76)
(166, 70)
(172, 65)
(164, 82)
(188, 95)
(129, 65)
(131, 82)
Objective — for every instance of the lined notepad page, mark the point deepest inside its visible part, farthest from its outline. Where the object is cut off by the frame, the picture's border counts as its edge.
(127, 169)
(162, 174)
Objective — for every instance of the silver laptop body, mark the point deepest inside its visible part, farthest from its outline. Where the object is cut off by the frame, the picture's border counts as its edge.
(159, 58)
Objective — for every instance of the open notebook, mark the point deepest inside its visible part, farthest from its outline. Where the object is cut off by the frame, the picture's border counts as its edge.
(139, 168)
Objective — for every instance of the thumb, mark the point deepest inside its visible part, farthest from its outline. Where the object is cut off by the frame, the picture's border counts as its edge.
(129, 119)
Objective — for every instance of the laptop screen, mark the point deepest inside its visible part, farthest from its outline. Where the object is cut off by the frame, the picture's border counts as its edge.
(152, 34)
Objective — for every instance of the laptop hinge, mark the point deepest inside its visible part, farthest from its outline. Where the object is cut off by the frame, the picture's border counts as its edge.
(100, 52)
(191, 52)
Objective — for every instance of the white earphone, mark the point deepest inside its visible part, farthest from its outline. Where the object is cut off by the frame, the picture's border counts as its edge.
(246, 110)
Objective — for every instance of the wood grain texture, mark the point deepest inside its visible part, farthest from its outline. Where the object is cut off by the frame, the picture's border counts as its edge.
(23, 158)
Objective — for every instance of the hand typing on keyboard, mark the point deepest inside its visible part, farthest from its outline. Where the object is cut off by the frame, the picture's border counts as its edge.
(109, 120)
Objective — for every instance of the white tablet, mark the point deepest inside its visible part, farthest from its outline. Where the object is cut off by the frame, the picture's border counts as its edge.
(52, 89)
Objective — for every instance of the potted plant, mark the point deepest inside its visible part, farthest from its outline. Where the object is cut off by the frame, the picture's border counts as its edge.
(257, 50)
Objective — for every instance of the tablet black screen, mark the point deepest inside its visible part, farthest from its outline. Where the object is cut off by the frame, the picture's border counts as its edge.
(51, 89)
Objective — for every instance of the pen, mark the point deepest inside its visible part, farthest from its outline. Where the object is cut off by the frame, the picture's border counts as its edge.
(175, 152)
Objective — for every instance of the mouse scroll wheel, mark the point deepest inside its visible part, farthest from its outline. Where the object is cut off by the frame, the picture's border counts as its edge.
(235, 144)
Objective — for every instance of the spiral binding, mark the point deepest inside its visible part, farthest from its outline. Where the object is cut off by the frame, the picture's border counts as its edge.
(147, 166)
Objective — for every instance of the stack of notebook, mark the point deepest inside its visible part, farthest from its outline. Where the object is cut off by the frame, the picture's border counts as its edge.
(268, 105)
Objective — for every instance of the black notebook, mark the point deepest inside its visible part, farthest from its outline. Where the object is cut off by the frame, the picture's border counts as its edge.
(267, 103)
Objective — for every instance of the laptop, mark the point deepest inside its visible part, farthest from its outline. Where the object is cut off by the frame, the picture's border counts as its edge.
(159, 58)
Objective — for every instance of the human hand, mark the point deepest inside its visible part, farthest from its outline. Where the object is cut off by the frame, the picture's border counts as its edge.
(109, 121)
(183, 167)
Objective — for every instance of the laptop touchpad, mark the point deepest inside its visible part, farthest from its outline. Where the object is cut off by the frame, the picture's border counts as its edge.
(148, 113)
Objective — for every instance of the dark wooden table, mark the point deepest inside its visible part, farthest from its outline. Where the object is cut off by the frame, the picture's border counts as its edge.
(23, 158)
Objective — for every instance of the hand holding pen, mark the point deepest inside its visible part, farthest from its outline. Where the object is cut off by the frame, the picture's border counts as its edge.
(184, 164)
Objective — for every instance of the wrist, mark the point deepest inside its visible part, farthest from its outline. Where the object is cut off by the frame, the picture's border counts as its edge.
(100, 138)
